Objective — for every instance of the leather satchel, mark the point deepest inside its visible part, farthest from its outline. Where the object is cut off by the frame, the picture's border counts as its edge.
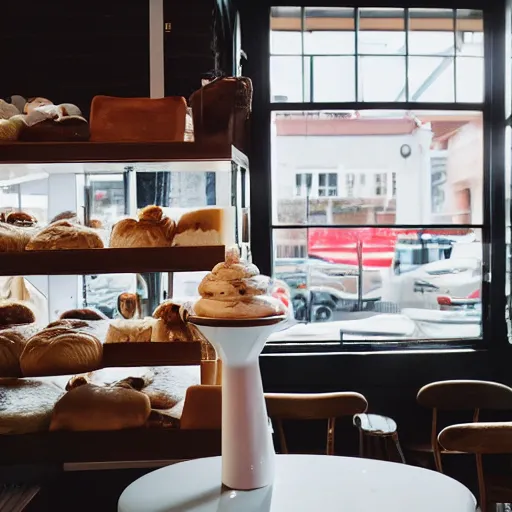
(138, 119)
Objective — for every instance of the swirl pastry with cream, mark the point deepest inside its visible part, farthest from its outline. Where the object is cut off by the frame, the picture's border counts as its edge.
(235, 289)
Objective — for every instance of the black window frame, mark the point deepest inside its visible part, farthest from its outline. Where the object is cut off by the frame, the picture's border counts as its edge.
(496, 113)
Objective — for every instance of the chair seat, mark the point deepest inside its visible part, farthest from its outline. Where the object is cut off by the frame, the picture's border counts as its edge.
(426, 448)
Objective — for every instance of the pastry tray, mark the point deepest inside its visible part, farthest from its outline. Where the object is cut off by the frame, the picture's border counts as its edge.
(120, 445)
(111, 261)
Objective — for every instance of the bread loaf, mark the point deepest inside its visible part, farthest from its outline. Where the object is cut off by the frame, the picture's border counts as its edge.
(65, 235)
(82, 314)
(15, 313)
(208, 226)
(152, 229)
(122, 331)
(90, 407)
(11, 347)
(172, 326)
(60, 351)
(14, 238)
(20, 219)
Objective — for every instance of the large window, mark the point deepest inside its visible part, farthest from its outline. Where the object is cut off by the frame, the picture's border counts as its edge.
(378, 210)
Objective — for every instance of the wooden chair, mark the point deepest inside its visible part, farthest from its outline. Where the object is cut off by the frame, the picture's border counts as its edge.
(322, 406)
(480, 439)
(459, 395)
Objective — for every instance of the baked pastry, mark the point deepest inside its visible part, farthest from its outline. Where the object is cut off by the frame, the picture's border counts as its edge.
(65, 235)
(123, 331)
(235, 289)
(13, 238)
(152, 229)
(66, 215)
(82, 314)
(90, 407)
(15, 313)
(20, 219)
(208, 226)
(12, 344)
(60, 351)
(27, 405)
(172, 326)
(128, 305)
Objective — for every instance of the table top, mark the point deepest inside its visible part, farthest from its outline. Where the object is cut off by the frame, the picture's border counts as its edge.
(302, 483)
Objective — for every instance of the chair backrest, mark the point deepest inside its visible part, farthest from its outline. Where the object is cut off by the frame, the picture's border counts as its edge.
(313, 406)
(479, 438)
(202, 409)
(461, 395)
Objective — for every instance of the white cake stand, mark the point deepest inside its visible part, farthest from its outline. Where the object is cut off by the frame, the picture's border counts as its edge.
(247, 448)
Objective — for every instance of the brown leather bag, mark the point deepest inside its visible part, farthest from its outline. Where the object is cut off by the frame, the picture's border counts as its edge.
(221, 111)
(138, 119)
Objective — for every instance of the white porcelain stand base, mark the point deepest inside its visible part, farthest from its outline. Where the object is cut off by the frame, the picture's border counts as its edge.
(247, 448)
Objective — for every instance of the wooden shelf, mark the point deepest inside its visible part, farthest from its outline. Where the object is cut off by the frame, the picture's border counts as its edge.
(111, 261)
(173, 353)
(120, 445)
(68, 152)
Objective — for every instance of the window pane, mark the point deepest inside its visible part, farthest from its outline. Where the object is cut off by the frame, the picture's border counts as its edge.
(379, 283)
(334, 79)
(431, 79)
(431, 32)
(470, 79)
(412, 168)
(329, 31)
(470, 32)
(286, 78)
(381, 31)
(372, 86)
(285, 43)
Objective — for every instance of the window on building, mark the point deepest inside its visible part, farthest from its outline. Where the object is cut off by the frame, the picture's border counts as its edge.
(303, 184)
(381, 184)
(349, 183)
(400, 255)
(327, 184)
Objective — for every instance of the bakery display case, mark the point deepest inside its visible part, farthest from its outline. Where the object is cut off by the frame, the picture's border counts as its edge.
(93, 237)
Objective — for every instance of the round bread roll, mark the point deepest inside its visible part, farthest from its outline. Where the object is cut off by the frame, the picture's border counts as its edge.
(63, 235)
(60, 351)
(234, 271)
(68, 324)
(89, 407)
(15, 313)
(124, 331)
(257, 307)
(152, 229)
(212, 287)
(83, 314)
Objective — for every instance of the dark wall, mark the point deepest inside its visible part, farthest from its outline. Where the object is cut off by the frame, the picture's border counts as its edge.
(70, 52)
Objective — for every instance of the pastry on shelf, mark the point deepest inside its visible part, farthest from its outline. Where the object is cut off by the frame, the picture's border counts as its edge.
(129, 305)
(12, 343)
(83, 314)
(64, 235)
(152, 229)
(171, 326)
(127, 331)
(90, 407)
(60, 351)
(21, 219)
(14, 238)
(235, 289)
(15, 313)
(27, 405)
(207, 226)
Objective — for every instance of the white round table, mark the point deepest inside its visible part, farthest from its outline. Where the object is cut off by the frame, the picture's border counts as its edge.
(302, 483)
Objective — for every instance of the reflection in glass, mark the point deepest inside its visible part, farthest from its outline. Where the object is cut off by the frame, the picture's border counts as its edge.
(470, 32)
(376, 167)
(381, 283)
